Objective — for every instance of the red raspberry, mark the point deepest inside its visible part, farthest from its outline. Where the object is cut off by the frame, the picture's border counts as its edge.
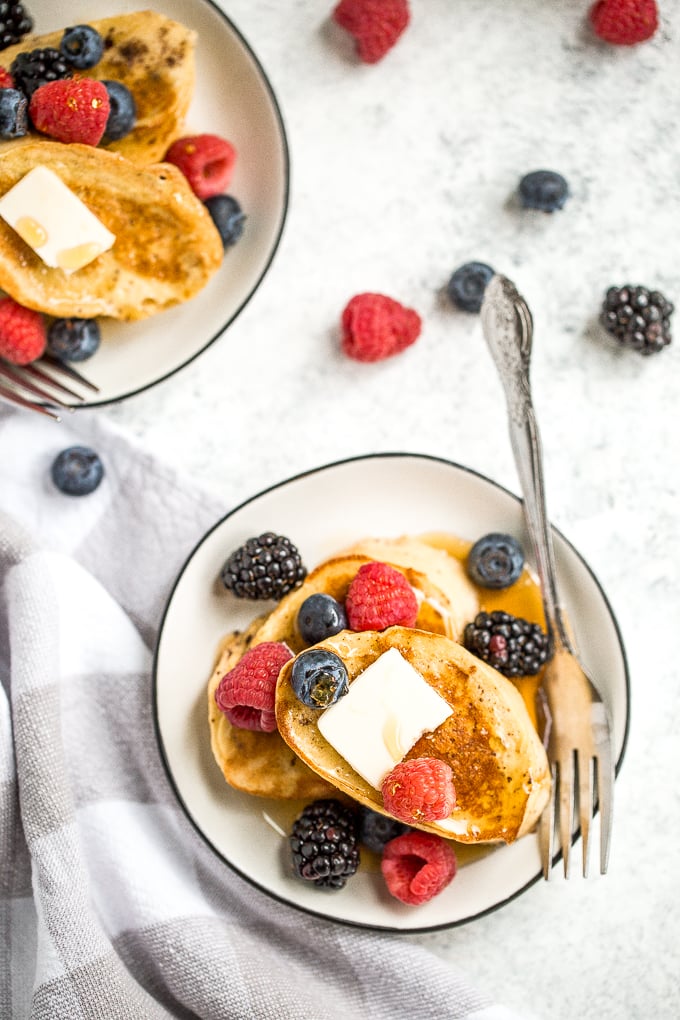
(22, 332)
(624, 22)
(246, 693)
(375, 24)
(207, 162)
(71, 110)
(379, 596)
(375, 327)
(417, 866)
(419, 790)
(6, 79)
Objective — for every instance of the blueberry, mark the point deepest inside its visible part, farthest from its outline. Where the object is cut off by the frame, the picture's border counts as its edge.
(495, 561)
(13, 113)
(374, 829)
(73, 339)
(319, 678)
(544, 190)
(82, 46)
(467, 285)
(77, 471)
(227, 216)
(320, 616)
(122, 113)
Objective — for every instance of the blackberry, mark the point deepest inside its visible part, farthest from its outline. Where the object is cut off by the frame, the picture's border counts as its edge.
(638, 318)
(513, 646)
(374, 829)
(265, 567)
(77, 471)
(467, 285)
(15, 23)
(495, 561)
(73, 339)
(323, 844)
(35, 68)
(545, 190)
(319, 678)
(320, 616)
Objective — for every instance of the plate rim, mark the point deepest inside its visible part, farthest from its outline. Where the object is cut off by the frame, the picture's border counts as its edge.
(346, 922)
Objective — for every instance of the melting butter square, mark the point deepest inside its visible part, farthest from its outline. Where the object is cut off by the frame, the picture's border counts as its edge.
(53, 221)
(387, 709)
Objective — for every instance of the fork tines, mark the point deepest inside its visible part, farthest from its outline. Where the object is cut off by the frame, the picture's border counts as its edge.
(40, 386)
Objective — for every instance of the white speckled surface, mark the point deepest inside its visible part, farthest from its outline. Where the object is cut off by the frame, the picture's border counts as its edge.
(401, 172)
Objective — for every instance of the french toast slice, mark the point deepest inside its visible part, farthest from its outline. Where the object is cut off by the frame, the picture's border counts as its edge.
(500, 769)
(154, 57)
(258, 763)
(166, 249)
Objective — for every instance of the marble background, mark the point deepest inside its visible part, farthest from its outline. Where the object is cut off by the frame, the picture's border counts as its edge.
(401, 172)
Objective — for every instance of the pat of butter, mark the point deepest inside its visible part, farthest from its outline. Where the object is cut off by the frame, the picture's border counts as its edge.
(387, 709)
(48, 216)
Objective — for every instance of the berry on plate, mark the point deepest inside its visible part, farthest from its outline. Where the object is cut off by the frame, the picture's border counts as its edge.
(417, 866)
(207, 161)
(512, 645)
(264, 567)
(379, 596)
(71, 110)
(15, 23)
(319, 678)
(320, 616)
(639, 318)
(228, 217)
(624, 22)
(77, 471)
(6, 79)
(246, 693)
(81, 46)
(375, 829)
(13, 113)
(467, 285)
(323, 844)
(375, 327)
(375, 24)
(37, 67)
(419, 790)
(22, 332)
(545, 190)
(495, 561)
(73, 339)
(122, 111)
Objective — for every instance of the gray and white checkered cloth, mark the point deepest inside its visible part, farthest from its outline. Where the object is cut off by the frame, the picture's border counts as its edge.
(111, 906)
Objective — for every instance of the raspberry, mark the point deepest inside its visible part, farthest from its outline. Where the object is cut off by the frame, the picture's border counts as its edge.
(417, 866)
(419, 790)
(375, 24)
(375, 327)
(6, 79)
(71, 110)
(207, 162)
(624, 22)
(246, 693)
(379, 596)
(22, 332)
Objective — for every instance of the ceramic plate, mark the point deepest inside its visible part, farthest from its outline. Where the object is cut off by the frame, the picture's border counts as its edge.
(234, 99)
(320, 512)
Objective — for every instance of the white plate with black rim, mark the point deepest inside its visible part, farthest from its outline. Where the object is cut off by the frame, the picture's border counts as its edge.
(322, 511)
(233, 98)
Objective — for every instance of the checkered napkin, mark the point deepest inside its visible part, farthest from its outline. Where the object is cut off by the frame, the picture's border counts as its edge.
(111, 906)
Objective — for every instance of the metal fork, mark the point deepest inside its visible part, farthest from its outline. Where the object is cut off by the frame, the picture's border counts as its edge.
(579, 730)
(44, 380)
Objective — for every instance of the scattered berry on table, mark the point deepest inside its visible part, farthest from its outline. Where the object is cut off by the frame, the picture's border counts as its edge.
(379, 596)
(81, 46)
(207, 161)
(15, 23)
(323, 844)
(375, 24)
(246, 693)
(417, 866)
(467, 285)
(6, 79)
(73, 339)
(512, 645)
(495, 561)
(624, 22)
(375, 830)
(545, 190)
(23, 335)
(34, 68)
(639, 318)
(71, 110)
(320, 616)
(419, 790)
(264, 567)
(13, 113)
(122, 111)
(77, 471)
(228, 217)
(319, 678)
(375, 327)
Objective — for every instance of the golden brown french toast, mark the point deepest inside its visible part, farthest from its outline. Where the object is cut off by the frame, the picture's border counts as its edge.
(154, 57)
(499, 765)
(165, 251)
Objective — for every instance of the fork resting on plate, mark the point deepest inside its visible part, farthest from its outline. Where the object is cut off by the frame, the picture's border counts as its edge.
(578, 729)
(40, 386)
